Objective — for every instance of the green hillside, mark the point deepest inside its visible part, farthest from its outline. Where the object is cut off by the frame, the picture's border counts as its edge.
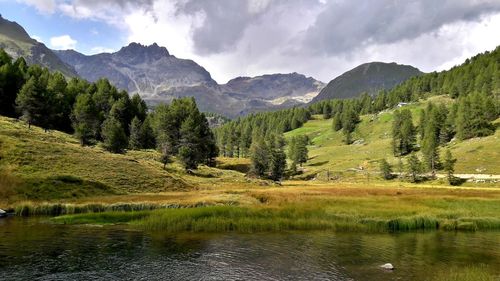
(372, 142)
(39, 165)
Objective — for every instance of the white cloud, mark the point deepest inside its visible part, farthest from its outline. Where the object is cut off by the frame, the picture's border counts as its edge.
(37, 38)
(43, 6)
(63, 42)
(318, 38)
(99, 49)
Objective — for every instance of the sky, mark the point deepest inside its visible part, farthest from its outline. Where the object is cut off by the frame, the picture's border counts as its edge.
(230, 38)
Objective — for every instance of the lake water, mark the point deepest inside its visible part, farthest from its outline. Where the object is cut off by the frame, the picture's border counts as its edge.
(31, 249)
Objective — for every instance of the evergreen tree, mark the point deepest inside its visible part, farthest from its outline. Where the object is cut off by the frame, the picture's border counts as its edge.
(472, 118)
(259, 157)
(403, 133)
(430, 146)
(327, 111)
(115, 139)
(11, 81)
(449, 166)
(300, 151)
(189, 153)
(34, 103)
(84, 117)
(386, 169)
(350, 117)
(277, 161)
(121, 111)
(337, 122)
(414, 167)
(148, 137)
(135, 139)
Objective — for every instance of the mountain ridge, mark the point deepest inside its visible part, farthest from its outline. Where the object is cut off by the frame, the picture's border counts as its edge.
(159, 76)
(368, 77)
(17, 43)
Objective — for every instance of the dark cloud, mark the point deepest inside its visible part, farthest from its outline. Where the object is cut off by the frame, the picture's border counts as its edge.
(349, 24)
(225, 21)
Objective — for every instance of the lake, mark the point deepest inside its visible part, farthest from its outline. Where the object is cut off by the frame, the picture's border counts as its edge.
(33, 249)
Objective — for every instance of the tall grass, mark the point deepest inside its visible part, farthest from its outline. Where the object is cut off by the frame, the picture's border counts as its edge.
(57, 209)
(8, 182)
(264, 219)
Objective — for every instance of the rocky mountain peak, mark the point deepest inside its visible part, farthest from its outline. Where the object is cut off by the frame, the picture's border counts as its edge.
(137, 52)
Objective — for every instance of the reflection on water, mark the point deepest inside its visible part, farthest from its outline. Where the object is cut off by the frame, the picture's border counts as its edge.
(32, 249)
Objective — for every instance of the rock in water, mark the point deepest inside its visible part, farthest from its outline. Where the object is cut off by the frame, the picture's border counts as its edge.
(2, 213)
(387, 266)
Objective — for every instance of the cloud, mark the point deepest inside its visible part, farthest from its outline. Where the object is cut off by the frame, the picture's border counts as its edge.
(99, 49)
(63, 42)
(348, 25)
(110, 11)
(320, 38)
(37, 38)
(43, 6)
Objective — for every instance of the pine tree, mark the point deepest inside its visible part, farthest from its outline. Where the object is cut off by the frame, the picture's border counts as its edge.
(386, 169)
(135, 139)
(148, 137)
(301, 155)
(189, 154)
(121, 111)
(259, 156)
(449, 166)
(277, 163)
(403, 133)
(350, 117)
(414, 167)
(327, 111)
(430, 146)
(114, 137)
(337, 122)
(34, 103)
(84, 117)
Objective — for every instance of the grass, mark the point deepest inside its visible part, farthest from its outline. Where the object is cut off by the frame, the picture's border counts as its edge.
(291, 217)
(329, 153)
(39, 166)
(344, 207)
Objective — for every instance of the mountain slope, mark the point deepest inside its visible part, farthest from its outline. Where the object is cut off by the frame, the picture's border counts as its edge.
(159, 76)
(368, 77)
(39, 165)
(329, 153)
(276, 88)
(17, 43)
(148, 70)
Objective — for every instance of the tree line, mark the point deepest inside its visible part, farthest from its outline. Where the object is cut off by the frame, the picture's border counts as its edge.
(100, 113)
(474, 86)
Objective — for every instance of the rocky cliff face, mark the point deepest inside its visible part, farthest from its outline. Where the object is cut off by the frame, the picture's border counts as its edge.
(147, 70)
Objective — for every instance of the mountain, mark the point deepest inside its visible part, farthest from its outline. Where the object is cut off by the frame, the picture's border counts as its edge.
(148, 70)
(276, 88)
(17, 43)
(369, 77)
(159, 76)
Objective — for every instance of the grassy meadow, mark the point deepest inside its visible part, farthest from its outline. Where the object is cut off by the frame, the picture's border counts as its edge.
(329, 153)
(49, 173)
